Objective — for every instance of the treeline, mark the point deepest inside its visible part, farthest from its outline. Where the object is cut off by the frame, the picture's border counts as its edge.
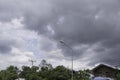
(45, 71)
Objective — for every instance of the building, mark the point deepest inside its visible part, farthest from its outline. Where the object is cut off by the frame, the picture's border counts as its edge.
(103, 70)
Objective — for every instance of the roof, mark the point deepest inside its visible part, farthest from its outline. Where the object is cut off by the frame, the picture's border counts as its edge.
(105, 65)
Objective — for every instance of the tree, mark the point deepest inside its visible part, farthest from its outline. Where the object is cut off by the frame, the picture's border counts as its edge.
(11, 73)
(30, 73)
(117, 77)
(82, 75)
(46, 72)
(45, 64)
(60, 73)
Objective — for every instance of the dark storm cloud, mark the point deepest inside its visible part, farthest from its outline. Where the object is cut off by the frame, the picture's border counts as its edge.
(9, 9)
(5, 46)
(109, 56)
(77, 22)
(88, 23)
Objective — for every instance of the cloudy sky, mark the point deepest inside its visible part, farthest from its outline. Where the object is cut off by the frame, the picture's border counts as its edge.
(32, 29)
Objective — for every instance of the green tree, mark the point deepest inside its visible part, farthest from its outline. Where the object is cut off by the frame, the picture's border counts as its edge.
(82, 75)
(45, 72)
(45, 64)
(11, 73)
(61, 73)
(30, 73)
(117, 77)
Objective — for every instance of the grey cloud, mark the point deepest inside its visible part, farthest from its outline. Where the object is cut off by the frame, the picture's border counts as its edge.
(84, 22)
(47, 45)
(5, 46)
(9, 9)
(109, 56)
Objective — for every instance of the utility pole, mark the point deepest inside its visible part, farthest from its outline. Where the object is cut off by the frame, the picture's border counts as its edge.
(62, 42)
(32, 62)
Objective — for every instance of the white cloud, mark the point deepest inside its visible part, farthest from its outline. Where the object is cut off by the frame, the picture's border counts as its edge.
(20, 51)
(19, 56)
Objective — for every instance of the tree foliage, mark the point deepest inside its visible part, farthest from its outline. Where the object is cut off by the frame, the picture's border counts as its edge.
(43, 72)
(11, 73)
(117, 77)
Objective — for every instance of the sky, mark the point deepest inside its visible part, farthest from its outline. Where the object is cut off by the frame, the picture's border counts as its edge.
(33, 29)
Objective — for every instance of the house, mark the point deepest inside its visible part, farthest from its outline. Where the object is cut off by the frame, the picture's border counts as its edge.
(103, 70)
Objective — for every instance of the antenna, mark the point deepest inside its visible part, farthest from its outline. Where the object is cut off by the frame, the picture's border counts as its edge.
(32, 61)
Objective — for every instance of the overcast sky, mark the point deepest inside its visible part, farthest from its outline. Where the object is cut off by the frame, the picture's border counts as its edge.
(32, 29)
